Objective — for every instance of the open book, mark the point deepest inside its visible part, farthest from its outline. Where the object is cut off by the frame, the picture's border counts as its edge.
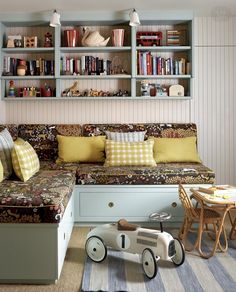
(219, 190)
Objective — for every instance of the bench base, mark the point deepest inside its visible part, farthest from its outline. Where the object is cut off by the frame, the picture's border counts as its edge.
(34, 253)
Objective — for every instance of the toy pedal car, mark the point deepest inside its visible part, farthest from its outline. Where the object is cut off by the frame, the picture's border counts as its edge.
(152, 244)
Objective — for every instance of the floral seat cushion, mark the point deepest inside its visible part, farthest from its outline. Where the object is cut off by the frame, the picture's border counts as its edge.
(42, 199)
(171, 173)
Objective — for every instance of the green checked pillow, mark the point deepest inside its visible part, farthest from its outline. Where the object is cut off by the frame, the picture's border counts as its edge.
(24, 159)
(129, 153)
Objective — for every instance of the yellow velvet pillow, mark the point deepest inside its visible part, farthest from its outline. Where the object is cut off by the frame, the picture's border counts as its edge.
(1, 171)
(175, 150)
(81, 149)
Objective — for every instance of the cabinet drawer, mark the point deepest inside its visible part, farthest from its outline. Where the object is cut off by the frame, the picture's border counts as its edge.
(126, 204)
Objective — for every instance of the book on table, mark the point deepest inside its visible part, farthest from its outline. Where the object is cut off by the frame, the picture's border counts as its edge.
(219, 190)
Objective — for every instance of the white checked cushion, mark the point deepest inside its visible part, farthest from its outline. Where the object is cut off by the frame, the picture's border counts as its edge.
(6, 146)
(24, 159)
(137, 136)
(129, 153)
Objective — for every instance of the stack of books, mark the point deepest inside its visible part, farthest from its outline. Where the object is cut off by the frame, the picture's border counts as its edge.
(219, 190)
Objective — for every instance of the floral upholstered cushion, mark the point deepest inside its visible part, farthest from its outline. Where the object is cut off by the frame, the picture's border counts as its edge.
(163, 173)
(43, 137)
(161, 130)
(42, 199)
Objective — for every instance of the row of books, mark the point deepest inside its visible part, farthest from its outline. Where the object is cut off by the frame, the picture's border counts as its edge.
(33, 67)
(85, 65)
(149, 64)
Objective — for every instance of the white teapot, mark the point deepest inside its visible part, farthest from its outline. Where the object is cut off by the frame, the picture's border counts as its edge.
(93, 39)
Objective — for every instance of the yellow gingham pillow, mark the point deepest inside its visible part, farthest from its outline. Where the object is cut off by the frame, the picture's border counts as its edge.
(24, 159)
(129, 153)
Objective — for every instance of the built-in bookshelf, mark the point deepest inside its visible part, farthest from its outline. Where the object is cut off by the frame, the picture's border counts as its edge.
(58, 70)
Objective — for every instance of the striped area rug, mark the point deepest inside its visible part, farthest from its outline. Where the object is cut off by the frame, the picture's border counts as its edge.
(123, 272)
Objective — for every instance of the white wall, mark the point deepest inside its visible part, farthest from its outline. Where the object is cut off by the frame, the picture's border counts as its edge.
(212, 108)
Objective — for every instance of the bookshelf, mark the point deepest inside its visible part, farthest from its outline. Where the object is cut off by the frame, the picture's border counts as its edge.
(68, 79)
(166, 64)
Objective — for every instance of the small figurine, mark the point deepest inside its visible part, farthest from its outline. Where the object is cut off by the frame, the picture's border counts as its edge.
(48, 40)
(47, 91)
(93, 39)
(30, 42)
(14, 41)
(12, 89)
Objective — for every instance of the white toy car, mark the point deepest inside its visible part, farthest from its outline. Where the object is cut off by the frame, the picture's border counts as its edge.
(151, 244)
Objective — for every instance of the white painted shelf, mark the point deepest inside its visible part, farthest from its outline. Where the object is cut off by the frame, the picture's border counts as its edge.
(94, 49)
(164, 48)
(27, 50)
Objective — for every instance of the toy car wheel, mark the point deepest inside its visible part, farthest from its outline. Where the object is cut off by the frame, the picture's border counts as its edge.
(95, 249)
(179, 256)
(149, 263)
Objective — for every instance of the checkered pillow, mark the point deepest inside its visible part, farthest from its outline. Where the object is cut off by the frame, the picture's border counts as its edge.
(129, 153)
(6, 146)
(24, 160)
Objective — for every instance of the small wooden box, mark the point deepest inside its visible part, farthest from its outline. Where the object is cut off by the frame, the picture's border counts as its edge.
(30, 42)
(176, 37)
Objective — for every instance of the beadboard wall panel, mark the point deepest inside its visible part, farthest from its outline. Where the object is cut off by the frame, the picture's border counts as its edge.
(215, 31)
(97, 111)
(213, 106)
(2, 112)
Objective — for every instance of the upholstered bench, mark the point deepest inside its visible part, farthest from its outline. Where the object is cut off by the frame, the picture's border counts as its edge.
(37, 216)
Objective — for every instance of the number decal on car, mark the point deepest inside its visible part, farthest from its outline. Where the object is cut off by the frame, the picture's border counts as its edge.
(123, 241)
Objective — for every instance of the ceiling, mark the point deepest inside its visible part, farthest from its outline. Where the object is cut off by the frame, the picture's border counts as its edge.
(199, 7)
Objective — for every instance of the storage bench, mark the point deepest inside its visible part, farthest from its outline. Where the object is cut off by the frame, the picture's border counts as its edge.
(36, 219)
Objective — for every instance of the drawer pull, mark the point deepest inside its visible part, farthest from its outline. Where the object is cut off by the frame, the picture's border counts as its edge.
(174, 204)
(64, 235)
(71, 214)
(111, 204)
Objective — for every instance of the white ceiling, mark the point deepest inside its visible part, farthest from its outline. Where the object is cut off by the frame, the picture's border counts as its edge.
(199, 7)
